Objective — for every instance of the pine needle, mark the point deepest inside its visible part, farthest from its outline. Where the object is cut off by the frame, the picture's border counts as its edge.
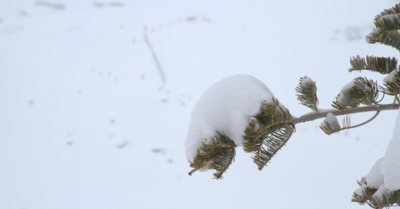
(387, 24)
(307, 93)
(390, 38)
(216, 153)
(330, 127)
(392, 11)
(268, 132)
(392, 87)
(388, 199)
(382, 65)
(363, 91)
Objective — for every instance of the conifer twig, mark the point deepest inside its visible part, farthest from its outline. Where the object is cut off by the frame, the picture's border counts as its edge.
(361, 124)
(370, 108)
(192, 171)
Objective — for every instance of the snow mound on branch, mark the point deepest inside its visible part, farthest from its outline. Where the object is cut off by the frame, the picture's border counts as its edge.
(390, 77)
(305, 80)
(391, 164)
(226, 106)
(331, 118)
(374, 178)
(385, 174)
(341, 96)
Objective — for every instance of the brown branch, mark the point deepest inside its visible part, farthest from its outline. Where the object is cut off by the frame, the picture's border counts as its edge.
(361, 124)
(192, 171)
(371, 108)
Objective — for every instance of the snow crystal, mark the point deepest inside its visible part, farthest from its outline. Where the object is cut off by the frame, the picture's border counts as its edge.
(390, 167)
(390, 77)
(330, 118)
(226, 106)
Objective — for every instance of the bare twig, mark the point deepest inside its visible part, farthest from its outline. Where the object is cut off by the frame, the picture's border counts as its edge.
(146, 39)
(192, 171)
(314, 116)
(397, 97)
(377, 113)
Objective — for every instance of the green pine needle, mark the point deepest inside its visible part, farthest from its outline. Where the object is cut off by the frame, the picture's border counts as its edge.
(268, 132)
(389, 199)
(387, 24)
(392, 11)
(307, 93)
(216, 153)
(330, 127)
(390, 38)
(363, 91)
(392, 87)
(382, 65)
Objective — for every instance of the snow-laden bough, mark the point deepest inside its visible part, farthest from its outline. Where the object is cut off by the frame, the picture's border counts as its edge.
(239, 110)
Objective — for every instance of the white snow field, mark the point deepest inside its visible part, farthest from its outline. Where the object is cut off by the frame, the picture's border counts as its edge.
(94, 117)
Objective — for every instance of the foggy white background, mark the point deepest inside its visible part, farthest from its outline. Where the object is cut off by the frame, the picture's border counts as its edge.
(87, 122)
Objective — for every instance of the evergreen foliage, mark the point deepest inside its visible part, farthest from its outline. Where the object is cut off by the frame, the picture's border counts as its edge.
(330, 127)
(387, 24)
(392, 87)
(307, 93)
(388, 38)
(363, 91)
(216, 153)
(389, 199)
(382, 65)
(267, 132)
(392, 11)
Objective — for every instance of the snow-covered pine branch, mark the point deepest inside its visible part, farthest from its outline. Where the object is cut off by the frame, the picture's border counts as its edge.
(381, 187)
(241, 111)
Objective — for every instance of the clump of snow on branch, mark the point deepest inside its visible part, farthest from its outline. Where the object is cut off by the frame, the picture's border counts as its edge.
(331, 118)
(391, 164)
(389, 17)
(306, 80)
(374, 178)
(385, 174)
(390, 77)
(341, 97)
(226, 106)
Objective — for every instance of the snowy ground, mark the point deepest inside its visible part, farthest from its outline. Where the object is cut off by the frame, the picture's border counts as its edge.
(87, 121)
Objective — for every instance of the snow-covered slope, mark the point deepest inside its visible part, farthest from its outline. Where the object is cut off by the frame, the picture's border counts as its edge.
(87, 121)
